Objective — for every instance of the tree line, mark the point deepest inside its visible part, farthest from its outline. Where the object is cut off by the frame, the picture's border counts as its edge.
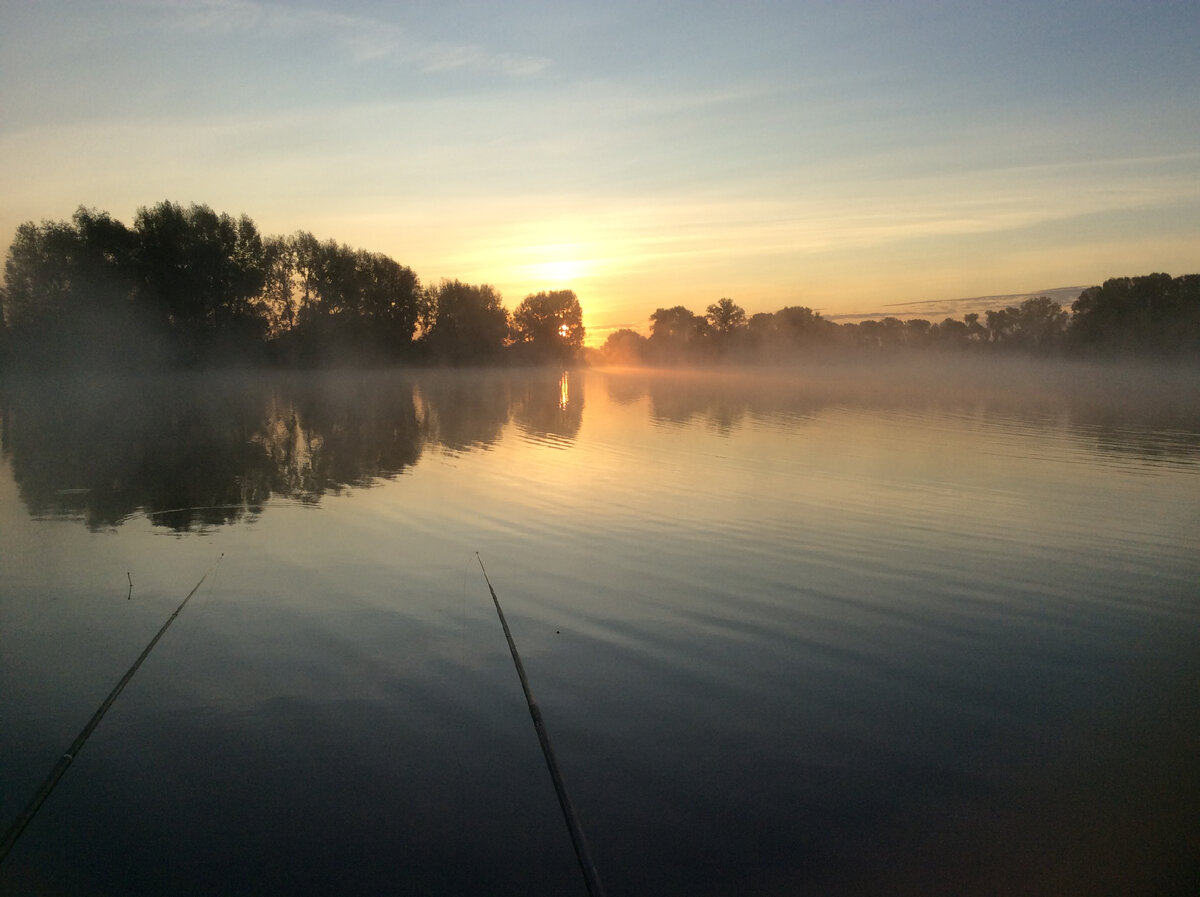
(1155, 315)
(187, 286)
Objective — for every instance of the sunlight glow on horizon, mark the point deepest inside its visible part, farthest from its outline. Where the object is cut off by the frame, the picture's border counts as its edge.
(841, 158)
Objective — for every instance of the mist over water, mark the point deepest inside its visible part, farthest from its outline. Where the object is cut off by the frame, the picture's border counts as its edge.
(841, 630)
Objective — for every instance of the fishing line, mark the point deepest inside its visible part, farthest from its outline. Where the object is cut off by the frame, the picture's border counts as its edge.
(151, 514)
(579, 842)
(19, 824)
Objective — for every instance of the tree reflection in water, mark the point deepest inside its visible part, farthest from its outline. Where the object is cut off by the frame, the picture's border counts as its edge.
(200, 450)
(1138, 409)
(194, 451)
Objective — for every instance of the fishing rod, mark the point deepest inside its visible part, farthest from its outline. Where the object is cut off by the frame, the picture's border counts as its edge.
(582, 853)
(19, 824)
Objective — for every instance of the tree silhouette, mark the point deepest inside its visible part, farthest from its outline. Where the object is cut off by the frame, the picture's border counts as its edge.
(465, 322)
(676, 335)
(37, 274)
(1040, 324)
(69, 297)
(725, 317)
(187, 284)
(676, 325)
(950, 334)
(624, 346)
(1154, 313)
(329, 302)
(279, 284)
(798, 327)
(203, 274)
(548, 326)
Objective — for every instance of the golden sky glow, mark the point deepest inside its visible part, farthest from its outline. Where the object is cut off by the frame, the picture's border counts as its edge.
(844, 157)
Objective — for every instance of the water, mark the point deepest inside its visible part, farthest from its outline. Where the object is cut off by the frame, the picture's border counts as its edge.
(829, 631)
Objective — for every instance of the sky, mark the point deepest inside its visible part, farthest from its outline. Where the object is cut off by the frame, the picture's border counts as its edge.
(850, 157)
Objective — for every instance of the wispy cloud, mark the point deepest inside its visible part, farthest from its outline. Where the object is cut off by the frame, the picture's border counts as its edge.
(362, 38)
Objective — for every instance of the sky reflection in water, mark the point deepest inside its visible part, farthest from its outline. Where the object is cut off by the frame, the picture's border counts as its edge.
(854, 632)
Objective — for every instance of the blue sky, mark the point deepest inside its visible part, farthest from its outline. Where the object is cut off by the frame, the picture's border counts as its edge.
(841, 156)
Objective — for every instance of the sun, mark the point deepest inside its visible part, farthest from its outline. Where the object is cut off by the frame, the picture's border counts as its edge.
(559, 271)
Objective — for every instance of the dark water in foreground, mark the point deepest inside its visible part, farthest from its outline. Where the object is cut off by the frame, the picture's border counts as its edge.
(847, 632)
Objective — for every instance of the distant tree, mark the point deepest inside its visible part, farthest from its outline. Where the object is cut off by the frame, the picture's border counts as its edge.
(975, 330)
(917, 332)
(107, 252)
(69, 295)
(868, 335)
(891, 332)
(800, 325)
(202, 286)
(887, 334)
(676, 334)
(1036, 325)
(1000, 325)
(624, 346)
(465, 322)
(1040, 324)
(549, 326)
(203, 272)
(346, 304)
(725, 317)
(670, 323)
(950, 334)
(388, 296)
(38, 273)
(677, 324)
(1153, 313)
(761, 324)
(308, 259)
(279, 284)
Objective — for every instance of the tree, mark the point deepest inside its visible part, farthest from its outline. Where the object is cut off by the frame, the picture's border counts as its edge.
(760, 324)
(975, 330)
(1040, 324)
(797, 325)
(1154, 313)
(677, 325)
(38, 283)
(343, 303)
(1000, 324)
(308, 261)
(465, 322)
(725, 317)
(69, 295)
(205, 285)
(387, 295)
(279, 284)
(950, 334)
(916, 332)
(624, 346)
(203, 272)
(676, 334)
(549, 325)
(887, 334)
(1036, 325)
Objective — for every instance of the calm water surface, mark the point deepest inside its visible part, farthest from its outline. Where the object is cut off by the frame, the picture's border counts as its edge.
(882, 631)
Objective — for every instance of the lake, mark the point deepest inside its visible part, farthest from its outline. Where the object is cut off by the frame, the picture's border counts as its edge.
(847, 629)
